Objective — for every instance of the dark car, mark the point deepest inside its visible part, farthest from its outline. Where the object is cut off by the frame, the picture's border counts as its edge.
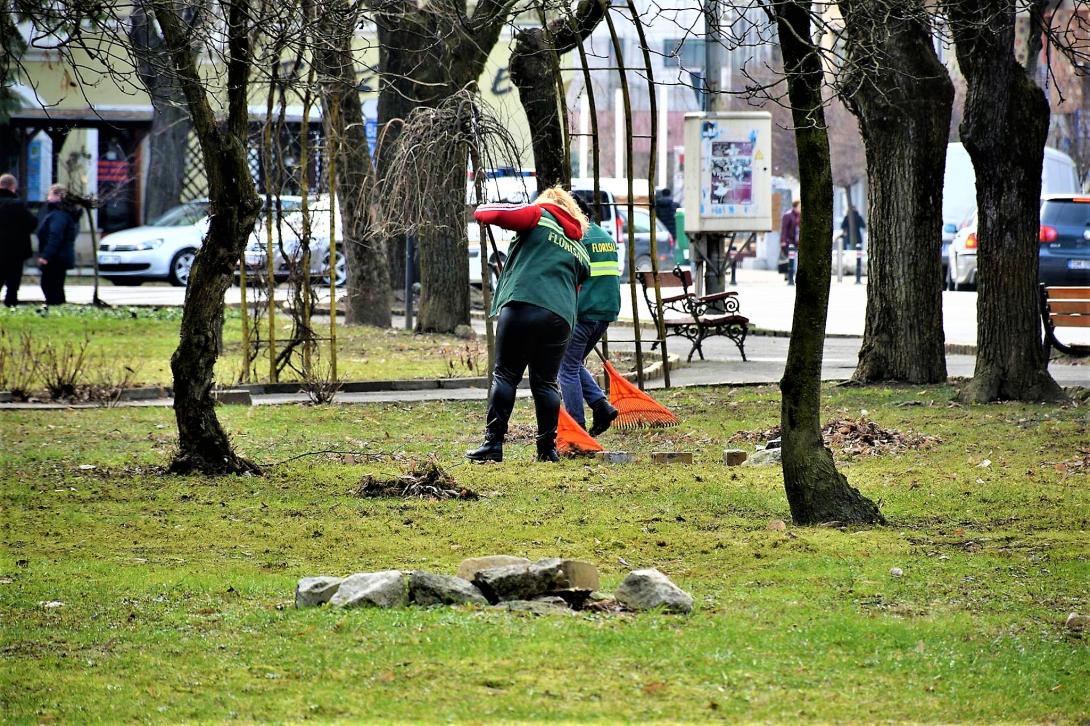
(663, 241)
(1065, 240)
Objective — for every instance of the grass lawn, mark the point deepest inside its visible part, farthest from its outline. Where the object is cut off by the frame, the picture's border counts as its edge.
(144, 339)
(177, 592)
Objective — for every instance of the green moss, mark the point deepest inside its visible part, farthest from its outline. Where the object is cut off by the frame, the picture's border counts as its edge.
(178, 591)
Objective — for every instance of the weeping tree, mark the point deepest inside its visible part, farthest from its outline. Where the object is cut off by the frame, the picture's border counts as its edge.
(816, 491)
(429, 51)
(535, 71)
(1004, 130)
(894, 83)
(368, 299)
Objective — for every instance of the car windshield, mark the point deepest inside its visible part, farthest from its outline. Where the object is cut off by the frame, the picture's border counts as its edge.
(183, 216)
(643, 224)
(1065, 213)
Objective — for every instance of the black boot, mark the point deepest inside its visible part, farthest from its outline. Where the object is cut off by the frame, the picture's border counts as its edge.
(604, 413)
(490, 450)
(546, 447)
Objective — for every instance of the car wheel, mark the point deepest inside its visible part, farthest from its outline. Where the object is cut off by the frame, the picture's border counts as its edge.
(125, 281)
(180, 266)
(340, 269)
(495, 267)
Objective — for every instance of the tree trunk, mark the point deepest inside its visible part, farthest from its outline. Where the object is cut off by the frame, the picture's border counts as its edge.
(535, 72)
(902, 96)
(368, 298)
(816, 491)
(170, 124)
(1004, 130)
(203, 445)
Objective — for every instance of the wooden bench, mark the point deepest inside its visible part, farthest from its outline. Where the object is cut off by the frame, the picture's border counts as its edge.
(695, 318)
(1064, 307)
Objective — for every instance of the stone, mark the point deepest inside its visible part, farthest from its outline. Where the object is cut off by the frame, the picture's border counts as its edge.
(615, 457)
(465, 332)
(773, 443)
(764, 457)
(649, 589)
(777, 525)
(672, 457)
(1078, 622)
(896, 572)
(472, 565)
(524, 582)
(552, 600)
(314, 591)
(734, 457)
(384, 589)
(428, 589)
(233, 396)
(537, 607)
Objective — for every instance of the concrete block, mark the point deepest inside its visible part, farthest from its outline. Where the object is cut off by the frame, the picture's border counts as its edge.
(734, 457)
(672, 457)
(472, 565)
(233, 396)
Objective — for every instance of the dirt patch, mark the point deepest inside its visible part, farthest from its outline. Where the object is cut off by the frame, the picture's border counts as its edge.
(420, 480)
(854, 437)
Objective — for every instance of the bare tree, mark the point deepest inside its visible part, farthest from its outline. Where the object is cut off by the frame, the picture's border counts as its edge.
(816, 491)
(900, 92)
(1004, 131)
(368, 267)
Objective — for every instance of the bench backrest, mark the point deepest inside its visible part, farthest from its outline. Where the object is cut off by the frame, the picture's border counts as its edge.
(668, 279)
(1069, 307)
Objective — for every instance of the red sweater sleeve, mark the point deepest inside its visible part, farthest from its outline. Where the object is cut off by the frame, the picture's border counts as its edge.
(515, 217)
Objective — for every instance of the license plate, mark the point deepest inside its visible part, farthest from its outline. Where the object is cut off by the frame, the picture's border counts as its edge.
(109, 259)
(1078, 264)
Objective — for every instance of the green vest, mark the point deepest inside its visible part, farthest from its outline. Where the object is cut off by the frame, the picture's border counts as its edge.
(600, 296)
(543, 268)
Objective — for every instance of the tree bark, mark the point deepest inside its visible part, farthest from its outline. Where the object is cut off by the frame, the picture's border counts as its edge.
(1004, 130)
(425, 54)
(368, 290)
(170, 124)
(816, 491)
(535, 72)
(203, 445)
(902, 96)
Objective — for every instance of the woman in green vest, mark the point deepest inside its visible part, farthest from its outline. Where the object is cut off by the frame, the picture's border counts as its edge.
(535, 306)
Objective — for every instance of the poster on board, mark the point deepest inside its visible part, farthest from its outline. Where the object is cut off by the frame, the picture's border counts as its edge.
(731, 173)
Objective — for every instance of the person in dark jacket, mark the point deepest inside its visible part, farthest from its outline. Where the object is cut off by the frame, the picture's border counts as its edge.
(599, 305)
(790, 226)
(536, 306)
(57, 234)
(16, 226)
(666, 210)
(852, 226)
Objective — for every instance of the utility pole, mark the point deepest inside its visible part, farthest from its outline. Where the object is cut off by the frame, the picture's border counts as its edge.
(710, 246)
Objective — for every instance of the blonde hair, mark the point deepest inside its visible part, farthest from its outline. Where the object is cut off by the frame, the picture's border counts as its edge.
(560, 196)
(60, 190)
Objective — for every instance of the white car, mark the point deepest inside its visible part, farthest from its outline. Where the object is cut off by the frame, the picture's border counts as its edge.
(291, 232)
(166, 248)
(961, 257)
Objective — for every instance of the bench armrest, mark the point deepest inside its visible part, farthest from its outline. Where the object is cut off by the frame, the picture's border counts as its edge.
(718, 296)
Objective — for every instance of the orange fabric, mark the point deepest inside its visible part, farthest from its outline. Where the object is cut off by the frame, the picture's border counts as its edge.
(571, 439)
(635, 409)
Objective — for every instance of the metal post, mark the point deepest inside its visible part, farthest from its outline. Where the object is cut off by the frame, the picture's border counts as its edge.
(269, 265)
(792, 255)
(660, 323)
(245, 377)
(408, 282)
(627, 111)
(331, 158)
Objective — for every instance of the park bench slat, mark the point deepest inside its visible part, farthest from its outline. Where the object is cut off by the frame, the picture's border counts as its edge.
(1061, 320)
(1068, 293)
(1069, 306)
(1064, 307)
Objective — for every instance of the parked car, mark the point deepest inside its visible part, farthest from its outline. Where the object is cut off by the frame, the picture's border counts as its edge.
(291, 232)
(166, 248)
(1064, 244)
(664, 242)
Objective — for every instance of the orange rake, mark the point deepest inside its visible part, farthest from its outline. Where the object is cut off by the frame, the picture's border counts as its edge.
(572, 439)
(635, 409)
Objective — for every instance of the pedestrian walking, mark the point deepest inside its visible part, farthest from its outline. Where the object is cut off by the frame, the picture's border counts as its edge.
(790, 225)
(852, 227)
(536, 307)
(599, 305)
(16, 225)
(666, 210)
(57, 244)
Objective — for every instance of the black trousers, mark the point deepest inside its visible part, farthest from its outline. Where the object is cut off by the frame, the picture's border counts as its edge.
(527, 336)
(53, 284)
(11, 275)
